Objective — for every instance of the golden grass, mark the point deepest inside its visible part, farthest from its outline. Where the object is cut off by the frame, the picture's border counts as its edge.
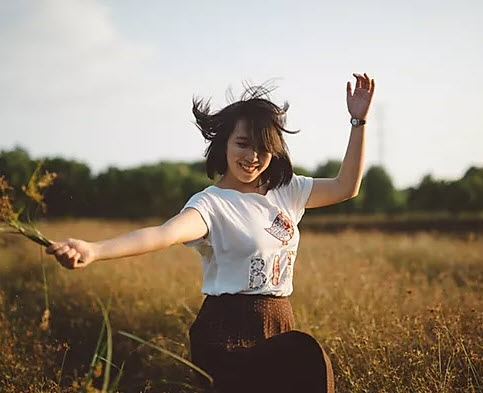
(396, 313)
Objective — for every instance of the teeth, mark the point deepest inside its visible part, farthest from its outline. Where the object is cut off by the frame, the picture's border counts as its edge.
(248, 168)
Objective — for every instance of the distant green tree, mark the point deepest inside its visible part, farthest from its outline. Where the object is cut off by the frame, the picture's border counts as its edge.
(299, 170)
(17, 166)
(197, 166)
(400, 200)
(328, 170)
(379, 195)
(472, 183)
(72, 191)
(429, 195)
(150, 190)
(161, 189)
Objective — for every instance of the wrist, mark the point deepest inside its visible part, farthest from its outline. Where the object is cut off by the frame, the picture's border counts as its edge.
(357, 122)
(97, 251)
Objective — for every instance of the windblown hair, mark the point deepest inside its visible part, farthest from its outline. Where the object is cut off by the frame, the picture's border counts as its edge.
(265, 122)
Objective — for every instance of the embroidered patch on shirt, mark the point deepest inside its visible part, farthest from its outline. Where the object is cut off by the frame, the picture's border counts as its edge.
(282, 228)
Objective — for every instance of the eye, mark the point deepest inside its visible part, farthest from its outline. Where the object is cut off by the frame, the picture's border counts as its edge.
(242, 144)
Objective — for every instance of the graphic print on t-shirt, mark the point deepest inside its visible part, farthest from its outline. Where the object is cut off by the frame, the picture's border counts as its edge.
(276, 270)
(288, 273)
(257, 278)
(282, 228)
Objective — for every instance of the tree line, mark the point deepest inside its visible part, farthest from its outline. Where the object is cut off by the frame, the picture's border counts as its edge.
(162, 188)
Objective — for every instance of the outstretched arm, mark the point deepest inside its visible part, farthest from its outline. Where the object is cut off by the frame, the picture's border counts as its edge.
(183, 227)
(346, 184)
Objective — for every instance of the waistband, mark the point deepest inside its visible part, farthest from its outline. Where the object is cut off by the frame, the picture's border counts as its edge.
(245, 296)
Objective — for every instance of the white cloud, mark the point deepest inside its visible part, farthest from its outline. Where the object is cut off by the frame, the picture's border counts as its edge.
(69, 49)
(72, 85)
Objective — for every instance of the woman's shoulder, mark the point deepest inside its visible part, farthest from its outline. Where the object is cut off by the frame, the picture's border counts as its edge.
(206, 193)
(296, 184)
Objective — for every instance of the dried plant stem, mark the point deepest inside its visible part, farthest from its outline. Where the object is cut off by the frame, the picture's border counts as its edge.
(46, 294)
(181, 359)
(107, 368)
(62, 366)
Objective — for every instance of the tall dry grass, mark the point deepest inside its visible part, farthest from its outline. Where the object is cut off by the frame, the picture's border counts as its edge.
(396, 313)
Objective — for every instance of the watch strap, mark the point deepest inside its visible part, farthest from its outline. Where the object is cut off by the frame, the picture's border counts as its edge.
(357, 122)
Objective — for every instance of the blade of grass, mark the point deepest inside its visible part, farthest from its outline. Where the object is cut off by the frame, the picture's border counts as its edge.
(107, 368)
(177, 357)
(46, 295)
(97, 351)
(115, 383)
(105, 359)
(182, 384)
(62, 366)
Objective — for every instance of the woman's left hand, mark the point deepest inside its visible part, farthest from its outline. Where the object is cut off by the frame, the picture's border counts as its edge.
(358, 102)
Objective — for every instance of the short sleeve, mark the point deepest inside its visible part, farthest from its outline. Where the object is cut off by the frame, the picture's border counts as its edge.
(200, 202)
(297, 193)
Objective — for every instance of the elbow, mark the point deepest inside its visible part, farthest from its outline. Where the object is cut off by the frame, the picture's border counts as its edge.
(352, 194)
(348, 190)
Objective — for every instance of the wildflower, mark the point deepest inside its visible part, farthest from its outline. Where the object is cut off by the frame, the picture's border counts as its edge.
(44, 324)
(37, 183)
(6, 207)
(98, 370)
(10, 217)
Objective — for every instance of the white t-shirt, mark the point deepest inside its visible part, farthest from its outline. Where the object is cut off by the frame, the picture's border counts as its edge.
(252, 239)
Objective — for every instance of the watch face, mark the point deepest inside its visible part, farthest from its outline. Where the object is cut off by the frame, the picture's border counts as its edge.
(354, 122)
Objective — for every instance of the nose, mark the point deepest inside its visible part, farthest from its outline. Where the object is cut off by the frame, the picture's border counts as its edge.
(252, 155)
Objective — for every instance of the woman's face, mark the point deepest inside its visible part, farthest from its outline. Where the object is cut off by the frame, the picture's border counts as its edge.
(245, 163)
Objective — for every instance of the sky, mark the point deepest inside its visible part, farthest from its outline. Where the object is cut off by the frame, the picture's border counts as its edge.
(110, 82)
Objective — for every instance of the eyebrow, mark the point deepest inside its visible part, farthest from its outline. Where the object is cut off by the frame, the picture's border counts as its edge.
(241, 138)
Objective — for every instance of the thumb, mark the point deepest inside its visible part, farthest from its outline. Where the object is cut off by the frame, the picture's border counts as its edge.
(54, 246)
(349, 89)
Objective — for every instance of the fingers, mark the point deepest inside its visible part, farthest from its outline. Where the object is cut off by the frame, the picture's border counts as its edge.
(65, 255)
(359, 80)
(364, 82)
(367, 82)
(62, 250)
(53, 247)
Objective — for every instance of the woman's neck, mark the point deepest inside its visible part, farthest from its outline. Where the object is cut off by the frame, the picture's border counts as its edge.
(252, 187)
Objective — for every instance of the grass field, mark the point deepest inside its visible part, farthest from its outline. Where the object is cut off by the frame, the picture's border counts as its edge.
(395, 312)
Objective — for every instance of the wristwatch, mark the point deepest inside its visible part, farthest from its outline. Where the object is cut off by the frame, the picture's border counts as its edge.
(357, 122)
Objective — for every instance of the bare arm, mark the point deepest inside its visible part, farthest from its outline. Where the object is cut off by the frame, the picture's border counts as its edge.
(329, 191)
(347, 183)
(181, 228)
(186, 226)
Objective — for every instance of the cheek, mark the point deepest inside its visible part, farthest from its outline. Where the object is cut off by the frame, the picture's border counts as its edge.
(233, 150)
(267, 161)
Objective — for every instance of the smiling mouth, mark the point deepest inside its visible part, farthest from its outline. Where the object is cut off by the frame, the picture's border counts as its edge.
(249, 168)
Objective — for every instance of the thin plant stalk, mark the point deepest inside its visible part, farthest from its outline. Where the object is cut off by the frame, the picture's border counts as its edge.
(115, 383)
(46, 294)
(45, 321)
(177, 357)
(107, 368)
(95, 357)
(62, 366)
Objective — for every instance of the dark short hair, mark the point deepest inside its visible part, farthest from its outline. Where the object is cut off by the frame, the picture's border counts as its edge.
(266, 122)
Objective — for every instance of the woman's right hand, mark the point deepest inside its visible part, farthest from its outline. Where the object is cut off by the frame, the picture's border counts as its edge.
(73, 253)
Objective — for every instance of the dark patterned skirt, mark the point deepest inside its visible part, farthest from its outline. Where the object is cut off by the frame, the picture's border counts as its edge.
(248, 343)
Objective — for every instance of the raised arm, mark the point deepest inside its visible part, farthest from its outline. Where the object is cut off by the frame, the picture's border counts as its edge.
(328, 191)
(183, 227)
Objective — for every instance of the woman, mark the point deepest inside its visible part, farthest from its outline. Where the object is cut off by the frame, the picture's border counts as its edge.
(245, 229)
